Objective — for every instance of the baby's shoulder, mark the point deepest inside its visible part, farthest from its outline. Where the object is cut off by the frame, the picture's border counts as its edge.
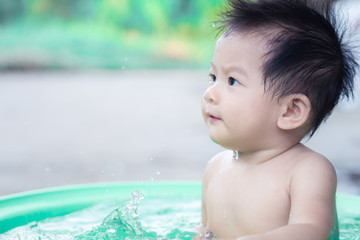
(308, 158)
(310, 164)
(220, 158)
(217, 161)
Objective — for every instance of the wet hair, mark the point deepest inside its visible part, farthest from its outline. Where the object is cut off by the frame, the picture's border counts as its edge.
(307, 51)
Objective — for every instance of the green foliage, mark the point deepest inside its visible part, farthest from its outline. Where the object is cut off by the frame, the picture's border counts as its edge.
(9, 10)
(102, 33)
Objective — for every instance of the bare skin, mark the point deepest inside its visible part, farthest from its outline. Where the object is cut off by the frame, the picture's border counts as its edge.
(277, 188)
(294, 189)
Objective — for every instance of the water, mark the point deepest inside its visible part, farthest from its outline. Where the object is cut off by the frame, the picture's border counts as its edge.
(160, 219)
(152, 219)
(349, 226)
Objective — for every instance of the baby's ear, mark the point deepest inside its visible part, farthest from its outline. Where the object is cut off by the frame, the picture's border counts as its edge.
(295, 111)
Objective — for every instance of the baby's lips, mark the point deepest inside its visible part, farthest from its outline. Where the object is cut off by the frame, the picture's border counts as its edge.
(213, 118)
(212, 115)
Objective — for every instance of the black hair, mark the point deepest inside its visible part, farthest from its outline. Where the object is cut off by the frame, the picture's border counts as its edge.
(307, 54)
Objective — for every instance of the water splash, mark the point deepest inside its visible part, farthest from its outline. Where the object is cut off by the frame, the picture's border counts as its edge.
(124, 223)
(160, 219)
(121, 223)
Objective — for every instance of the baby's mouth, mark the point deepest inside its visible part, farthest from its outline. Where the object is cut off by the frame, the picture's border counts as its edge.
(212, 118)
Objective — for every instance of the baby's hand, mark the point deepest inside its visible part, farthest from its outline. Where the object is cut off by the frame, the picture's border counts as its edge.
(206, 236)
(203, 234)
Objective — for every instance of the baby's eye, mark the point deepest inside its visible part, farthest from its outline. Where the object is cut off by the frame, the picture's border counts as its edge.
(232, 81)
(212, 78)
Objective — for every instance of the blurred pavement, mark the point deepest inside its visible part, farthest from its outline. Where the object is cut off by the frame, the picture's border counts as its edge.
(59, 128)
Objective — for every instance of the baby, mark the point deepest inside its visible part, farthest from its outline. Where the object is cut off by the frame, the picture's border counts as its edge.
(278, 70)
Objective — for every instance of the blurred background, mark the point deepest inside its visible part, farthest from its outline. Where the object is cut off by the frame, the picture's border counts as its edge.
(109, 90)
(106, 34)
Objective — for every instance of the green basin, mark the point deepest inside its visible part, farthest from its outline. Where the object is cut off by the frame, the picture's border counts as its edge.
(22, 208)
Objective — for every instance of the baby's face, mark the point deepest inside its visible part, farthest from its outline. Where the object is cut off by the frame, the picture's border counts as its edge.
(236, 109)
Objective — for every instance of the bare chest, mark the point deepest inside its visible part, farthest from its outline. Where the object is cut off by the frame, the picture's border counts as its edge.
(243, 204)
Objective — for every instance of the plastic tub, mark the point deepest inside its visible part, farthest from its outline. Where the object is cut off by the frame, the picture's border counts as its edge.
(22, 208)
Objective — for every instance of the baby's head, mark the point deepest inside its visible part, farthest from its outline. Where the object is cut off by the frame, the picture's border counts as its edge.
(305, 52)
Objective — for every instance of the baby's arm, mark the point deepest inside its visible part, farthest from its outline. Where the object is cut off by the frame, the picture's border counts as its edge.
(312, 195)
(201, 231)
(210, 167)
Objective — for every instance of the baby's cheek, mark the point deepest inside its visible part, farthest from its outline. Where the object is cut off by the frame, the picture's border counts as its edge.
(202, 108)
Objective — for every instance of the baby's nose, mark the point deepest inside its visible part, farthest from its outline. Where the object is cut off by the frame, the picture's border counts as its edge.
(211, 94)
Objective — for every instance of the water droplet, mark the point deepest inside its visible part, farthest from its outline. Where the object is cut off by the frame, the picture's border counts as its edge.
(158, 172)
(213, 25)
(151, 159)
(111, 230)
(152, 179)
(125, 59)
(208, 234)
(112, 174)
(102, 171)
(137, 196)
(47, 169)
(123, 67)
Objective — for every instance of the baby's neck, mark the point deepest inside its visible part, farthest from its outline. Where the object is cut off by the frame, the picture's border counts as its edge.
(264, 155)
